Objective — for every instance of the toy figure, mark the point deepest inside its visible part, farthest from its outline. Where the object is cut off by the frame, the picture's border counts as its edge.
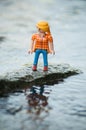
(42, 42)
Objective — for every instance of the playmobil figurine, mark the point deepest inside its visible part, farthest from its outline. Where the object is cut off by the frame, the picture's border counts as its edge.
(42, 42)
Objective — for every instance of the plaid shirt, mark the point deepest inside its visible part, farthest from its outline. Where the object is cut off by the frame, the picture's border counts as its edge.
(42, 43)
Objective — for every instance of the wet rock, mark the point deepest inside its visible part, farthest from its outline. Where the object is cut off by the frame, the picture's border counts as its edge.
(2, 38)
(14, 110)
(16, 81)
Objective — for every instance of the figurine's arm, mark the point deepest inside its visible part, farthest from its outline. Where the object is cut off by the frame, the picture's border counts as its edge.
(51, 46)
(31, 47)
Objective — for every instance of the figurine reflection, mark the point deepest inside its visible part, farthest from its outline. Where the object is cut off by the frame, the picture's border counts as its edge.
(37, 101)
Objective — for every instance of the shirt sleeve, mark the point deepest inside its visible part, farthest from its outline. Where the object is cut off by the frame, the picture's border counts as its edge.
(33, 37)
(50, 38)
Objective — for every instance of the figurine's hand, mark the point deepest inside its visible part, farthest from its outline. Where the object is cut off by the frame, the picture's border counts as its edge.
(30, 51)
(52, 52)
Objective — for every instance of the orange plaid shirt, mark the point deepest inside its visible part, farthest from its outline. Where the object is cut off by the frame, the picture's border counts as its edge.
(42, 43)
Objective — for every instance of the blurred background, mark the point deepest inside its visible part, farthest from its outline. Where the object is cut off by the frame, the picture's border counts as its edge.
(67, 19)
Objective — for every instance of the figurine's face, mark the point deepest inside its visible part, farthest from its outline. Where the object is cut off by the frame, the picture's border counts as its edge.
(40, 31)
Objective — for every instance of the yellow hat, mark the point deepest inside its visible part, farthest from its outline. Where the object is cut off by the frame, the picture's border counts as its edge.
(43, 25)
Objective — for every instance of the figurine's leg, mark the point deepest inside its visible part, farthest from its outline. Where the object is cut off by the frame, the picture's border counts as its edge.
(37, 53)
(45, 60)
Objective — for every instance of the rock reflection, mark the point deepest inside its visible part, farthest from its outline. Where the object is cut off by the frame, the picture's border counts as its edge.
(38, 101)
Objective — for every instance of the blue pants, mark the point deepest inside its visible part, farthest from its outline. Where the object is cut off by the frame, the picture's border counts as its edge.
(45, 58)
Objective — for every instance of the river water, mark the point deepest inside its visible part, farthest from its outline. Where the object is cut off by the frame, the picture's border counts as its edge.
(58, 107)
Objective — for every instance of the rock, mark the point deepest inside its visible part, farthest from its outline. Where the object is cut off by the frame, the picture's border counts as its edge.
(16, 81)
(2, 38)
(14, 110)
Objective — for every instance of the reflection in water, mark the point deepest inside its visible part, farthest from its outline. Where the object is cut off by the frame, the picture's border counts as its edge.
(38, 101)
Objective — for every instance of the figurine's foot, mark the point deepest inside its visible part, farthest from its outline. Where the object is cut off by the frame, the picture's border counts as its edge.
(34, 68)
(45, 68)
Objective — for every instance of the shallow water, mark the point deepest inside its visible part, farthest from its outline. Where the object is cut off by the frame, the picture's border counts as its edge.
(61, 106)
